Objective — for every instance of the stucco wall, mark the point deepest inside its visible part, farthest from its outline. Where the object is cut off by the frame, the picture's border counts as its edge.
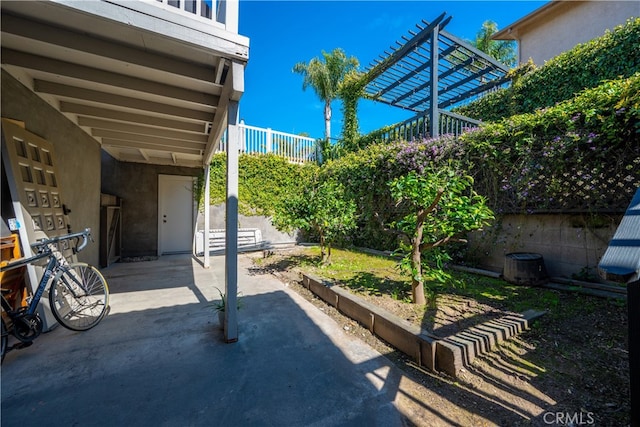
(137, 185)
(571, 23)
(570, 244)
(77, 154)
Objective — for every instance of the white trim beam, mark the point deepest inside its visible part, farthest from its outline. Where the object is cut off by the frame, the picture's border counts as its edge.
(232, 91)
(124, 116)
(157, 160)
(144, 154)
(160, 142)
(102, 48)
(141, 130)
(108, 142)
(42, 86)
(94, 75)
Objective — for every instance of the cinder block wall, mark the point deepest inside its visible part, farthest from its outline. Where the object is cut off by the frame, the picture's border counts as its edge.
(77, 156)
(570, 244)
(137, 185)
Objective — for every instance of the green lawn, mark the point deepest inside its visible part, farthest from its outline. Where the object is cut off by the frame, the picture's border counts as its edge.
(369, 274)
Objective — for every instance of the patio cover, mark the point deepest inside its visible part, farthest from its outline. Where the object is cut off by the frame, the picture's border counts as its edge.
(149, 84)
(432, 64)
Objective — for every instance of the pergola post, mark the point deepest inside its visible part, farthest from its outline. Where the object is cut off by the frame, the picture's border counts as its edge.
(231, 232)
(434, 111)
(207, 210)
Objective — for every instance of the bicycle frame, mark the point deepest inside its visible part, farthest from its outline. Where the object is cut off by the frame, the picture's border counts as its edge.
(49, 271)
(52, 266)
(71, 293)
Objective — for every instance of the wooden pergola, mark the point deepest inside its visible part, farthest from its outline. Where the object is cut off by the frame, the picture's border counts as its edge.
(432, 64)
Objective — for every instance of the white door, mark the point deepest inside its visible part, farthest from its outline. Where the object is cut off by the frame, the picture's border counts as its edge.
(175, 214)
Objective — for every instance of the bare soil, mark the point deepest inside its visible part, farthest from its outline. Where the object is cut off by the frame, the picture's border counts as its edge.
(570, 369)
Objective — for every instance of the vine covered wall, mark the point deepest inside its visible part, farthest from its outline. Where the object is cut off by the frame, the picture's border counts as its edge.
(581, 155)
(614, 55)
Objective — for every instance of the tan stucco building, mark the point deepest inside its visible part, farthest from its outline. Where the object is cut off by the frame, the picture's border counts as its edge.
(560, 25)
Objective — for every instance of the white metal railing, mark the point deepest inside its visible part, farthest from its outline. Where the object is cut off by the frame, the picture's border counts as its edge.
(419, 127)
(452, 123)
(255, 140)
(223, 12)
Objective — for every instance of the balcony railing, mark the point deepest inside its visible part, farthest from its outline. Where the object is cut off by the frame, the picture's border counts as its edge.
(255, 140)
(419, 127)
(223, 13)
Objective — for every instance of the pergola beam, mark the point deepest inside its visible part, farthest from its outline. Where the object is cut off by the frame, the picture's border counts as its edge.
(401, 80)
(474, 92)
(398, 54)
(431, 71)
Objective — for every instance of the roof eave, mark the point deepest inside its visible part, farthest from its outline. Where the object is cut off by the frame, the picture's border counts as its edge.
(510, 32)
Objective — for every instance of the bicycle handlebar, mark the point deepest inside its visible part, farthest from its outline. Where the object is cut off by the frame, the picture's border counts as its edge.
(86, 234)
(44, 250)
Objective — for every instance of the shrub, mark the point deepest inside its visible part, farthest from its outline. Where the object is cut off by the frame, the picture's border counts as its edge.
(264, 180)
(322, 209)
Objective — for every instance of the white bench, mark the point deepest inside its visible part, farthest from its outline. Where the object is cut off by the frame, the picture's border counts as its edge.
(248, 238)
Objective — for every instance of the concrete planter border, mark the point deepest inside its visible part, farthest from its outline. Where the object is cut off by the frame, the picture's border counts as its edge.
(449, 355)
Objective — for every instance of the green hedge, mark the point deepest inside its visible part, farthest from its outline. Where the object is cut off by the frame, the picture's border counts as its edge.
(581, 155)
(612, 56)
(263, 181)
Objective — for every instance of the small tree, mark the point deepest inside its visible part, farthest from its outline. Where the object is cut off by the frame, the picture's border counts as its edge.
(442, 207)
(320, 207)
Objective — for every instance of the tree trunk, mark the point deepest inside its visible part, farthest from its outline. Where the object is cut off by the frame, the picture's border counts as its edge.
(323, 253)
(327, 261)
(417, 283)
(327, 120)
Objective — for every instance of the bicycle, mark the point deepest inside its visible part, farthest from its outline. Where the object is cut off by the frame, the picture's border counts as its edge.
(78, 293)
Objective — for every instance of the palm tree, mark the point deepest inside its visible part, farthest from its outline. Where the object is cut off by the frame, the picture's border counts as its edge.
(502, 50)
(324, 75)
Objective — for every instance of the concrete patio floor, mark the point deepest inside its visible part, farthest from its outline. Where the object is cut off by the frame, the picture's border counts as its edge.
(159, 359)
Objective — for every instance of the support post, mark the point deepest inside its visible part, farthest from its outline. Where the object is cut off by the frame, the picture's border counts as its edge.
(231, 233)
(633, 307)
(434, 109)
(207, 212)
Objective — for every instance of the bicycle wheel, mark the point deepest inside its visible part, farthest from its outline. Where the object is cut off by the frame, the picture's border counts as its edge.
(79, 296)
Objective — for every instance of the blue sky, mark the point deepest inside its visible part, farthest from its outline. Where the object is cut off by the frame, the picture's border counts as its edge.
(283, 33)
